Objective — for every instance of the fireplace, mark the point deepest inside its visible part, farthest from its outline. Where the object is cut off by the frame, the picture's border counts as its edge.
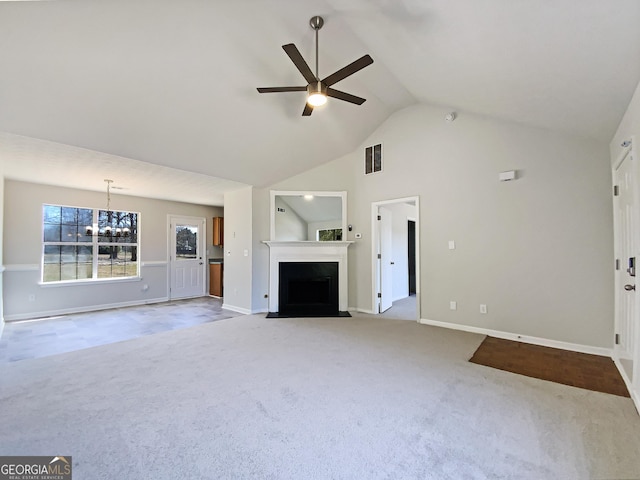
(308, 279)
(308, 288)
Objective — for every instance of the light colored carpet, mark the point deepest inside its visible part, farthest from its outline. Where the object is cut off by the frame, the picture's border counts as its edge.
(352, 398)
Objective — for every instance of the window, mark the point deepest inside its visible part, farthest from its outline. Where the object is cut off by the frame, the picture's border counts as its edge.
(330, 235)
(88, 244)
(373, 159)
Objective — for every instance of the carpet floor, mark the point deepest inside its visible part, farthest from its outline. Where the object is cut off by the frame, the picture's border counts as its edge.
(592, 372)
(328, 398)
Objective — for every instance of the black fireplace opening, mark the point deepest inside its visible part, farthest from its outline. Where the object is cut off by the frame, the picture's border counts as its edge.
(308, 289)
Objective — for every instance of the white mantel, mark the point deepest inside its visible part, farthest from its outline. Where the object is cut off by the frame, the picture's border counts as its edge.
(308, 252)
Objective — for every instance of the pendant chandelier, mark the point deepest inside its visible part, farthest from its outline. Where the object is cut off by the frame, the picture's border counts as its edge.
(108, 231)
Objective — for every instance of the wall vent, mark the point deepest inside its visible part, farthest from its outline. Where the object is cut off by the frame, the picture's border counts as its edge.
(373, 159)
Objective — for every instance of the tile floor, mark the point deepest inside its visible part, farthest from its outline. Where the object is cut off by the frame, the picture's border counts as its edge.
(51, 336)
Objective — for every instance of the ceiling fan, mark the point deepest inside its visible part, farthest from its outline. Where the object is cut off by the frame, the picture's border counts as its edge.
(318, 90)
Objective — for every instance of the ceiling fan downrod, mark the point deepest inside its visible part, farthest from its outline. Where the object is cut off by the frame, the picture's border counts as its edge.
(316, 23)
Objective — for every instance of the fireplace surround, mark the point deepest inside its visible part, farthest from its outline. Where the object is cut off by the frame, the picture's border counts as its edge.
(319, 274)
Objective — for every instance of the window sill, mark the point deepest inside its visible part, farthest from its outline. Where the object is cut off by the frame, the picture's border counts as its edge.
(98, 281)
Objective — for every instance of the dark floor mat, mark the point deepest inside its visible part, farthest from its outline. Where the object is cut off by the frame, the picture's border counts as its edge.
(592, 372)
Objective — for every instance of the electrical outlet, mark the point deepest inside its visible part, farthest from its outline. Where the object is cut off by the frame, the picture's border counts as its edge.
(483, 308)
(453, 305)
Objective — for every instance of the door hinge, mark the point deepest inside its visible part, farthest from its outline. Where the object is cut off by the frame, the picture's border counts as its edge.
(379, 217)
(616, 190)
(379, 295)
(379, 256)
(617, 264)
(617, 339)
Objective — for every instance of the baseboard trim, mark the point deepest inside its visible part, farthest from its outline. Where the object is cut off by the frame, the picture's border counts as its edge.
(67, 311)
(233, 308)
(545, 342)
(361, 310)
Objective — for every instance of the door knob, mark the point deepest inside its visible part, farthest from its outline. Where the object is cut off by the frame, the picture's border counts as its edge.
(628, 288)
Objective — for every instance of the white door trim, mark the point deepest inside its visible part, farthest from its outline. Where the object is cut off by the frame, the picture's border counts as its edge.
(375, 239)
(633, 383)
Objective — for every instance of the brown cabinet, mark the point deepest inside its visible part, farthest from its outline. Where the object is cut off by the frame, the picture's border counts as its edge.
(218, 231)
(215, 279)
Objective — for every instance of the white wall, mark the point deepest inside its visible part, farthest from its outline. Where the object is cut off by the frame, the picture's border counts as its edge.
(260, 268)
(22, 248)
(289, 225)
(1, 243)
(238, 243)
(537, 250)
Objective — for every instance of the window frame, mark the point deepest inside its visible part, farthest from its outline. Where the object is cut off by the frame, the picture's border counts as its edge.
(334, 230)
(96, 241)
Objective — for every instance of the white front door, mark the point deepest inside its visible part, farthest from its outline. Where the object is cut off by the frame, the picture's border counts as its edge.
(626, 232)
(187, 257)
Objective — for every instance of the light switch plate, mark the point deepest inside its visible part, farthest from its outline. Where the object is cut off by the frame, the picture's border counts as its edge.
(452, 245)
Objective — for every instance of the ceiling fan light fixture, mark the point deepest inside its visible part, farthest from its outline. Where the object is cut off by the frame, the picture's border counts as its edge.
(319, 89)
(317, 99)
(317, 94)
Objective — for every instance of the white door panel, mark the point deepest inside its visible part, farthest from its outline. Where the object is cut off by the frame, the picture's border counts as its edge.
(386, 252)
(187, 257)
(626, 252)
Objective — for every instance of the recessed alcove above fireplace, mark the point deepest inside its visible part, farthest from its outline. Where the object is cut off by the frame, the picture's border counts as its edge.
(314, 272)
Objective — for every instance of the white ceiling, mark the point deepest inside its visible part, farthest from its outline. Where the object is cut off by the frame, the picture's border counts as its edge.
(172, 84)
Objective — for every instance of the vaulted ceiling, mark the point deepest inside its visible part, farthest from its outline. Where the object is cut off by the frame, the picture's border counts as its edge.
(171, 85)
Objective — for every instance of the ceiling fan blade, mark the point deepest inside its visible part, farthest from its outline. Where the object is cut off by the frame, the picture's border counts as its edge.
(350, 69)
(281, 89)
(308, 109)
(347, 97)
(296, 58)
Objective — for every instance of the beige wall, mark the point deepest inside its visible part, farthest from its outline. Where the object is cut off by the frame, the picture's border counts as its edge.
(22, 248)
(1, 242)
(629, 126)
(537, 250)
(238, 249)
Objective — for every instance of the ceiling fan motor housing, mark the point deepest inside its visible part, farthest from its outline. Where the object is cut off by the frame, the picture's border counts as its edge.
(317, 87)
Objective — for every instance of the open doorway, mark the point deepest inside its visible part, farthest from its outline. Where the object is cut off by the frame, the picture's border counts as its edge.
(395, 262)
